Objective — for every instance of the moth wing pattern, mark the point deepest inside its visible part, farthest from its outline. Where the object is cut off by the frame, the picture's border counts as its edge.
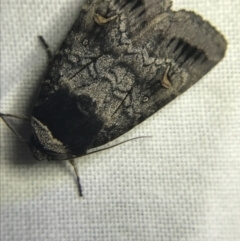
(119, 73)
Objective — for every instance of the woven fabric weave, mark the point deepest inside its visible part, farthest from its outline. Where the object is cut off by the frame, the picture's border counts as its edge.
(181, 184)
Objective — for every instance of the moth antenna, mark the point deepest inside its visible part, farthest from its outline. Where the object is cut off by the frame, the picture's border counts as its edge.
(24, 118)
(135, 138)
(73, 163)
(46, 46)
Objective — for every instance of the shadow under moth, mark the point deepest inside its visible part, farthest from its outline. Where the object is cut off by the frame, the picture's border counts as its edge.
(122, 61)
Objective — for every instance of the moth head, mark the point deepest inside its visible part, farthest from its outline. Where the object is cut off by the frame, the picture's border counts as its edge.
(44, 146)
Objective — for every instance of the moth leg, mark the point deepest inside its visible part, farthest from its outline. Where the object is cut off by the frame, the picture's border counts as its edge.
(46, 46)
(99, 19)
(72, 162)
(165, 81)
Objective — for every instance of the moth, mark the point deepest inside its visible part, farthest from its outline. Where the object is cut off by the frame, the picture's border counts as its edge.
(122, 61)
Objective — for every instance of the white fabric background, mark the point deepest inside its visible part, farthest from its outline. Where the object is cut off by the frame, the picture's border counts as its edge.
(181, 184)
